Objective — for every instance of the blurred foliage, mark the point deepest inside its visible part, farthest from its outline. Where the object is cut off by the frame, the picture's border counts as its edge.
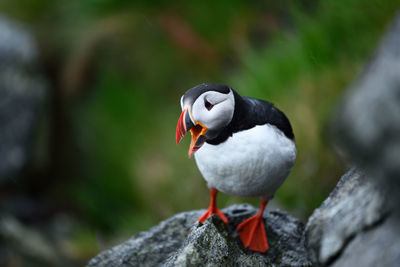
(118, 69)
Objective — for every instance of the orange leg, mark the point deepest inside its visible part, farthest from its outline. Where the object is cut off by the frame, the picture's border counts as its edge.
(212, 209)
(252, 231)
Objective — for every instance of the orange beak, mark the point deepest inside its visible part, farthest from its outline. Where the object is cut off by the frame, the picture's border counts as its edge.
(197, 130)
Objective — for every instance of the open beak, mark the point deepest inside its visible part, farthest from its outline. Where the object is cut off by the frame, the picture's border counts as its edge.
(197, 130)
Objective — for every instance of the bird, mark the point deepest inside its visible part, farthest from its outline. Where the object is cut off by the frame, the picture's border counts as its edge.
(242, 146)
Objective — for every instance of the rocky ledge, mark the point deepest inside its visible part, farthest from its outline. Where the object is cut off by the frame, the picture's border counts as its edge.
(353, 227)
(181, 241)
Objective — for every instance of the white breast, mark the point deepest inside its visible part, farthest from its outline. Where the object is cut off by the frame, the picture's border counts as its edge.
(251, 163)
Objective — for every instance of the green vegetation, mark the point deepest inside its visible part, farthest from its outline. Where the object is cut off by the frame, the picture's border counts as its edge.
(123, 66)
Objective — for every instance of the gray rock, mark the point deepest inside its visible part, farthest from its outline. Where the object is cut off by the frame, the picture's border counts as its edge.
(33, 248)
(354, 207)
(357, 224)
(210, 244)
(377, 245)
(367, 122)
(151, 247)
(21, 91)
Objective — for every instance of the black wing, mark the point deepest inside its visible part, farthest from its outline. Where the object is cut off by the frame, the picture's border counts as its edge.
(250, 112)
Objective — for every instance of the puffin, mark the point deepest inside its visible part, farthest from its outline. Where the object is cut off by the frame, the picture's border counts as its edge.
(242, 146)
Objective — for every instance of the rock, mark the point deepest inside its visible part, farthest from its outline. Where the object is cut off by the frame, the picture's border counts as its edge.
(354, 209)
(151, 247)
(22, 89)
(210, 244)
(367, 122)
(377, 245)
(357, 225)
(33, 248)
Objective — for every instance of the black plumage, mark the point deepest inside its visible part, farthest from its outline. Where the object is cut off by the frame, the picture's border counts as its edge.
(250, 112)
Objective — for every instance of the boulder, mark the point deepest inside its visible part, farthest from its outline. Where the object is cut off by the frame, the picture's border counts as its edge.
(357, 225)
(353, 226)
(366, 125)
(27, 245)
(210, 244)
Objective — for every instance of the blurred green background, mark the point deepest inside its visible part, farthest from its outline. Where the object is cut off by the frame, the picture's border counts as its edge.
(105, 152)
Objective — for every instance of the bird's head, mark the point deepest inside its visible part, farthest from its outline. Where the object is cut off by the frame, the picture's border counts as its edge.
(206, 110)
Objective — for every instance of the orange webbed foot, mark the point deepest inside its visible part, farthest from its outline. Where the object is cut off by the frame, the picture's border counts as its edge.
(252, 231)
(252, 234)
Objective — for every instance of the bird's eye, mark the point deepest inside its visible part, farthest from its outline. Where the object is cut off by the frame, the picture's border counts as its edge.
(208, 105)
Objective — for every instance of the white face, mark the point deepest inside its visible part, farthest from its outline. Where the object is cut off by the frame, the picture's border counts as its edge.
(217, 115)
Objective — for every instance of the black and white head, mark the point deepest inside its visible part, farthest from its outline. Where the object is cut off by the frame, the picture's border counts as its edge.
(206, 110)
